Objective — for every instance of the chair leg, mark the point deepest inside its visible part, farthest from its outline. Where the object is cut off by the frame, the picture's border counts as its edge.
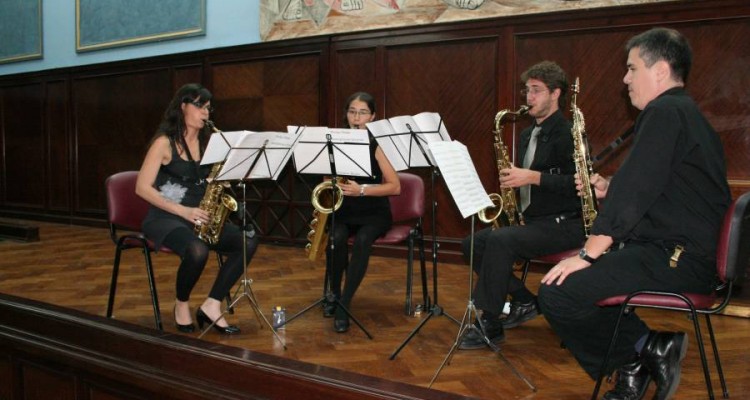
(152, 287)
(702, 351)
(113, 283)
(612, 342)
(525, 270)
(409, 273)
(725, 392)
(426, 303)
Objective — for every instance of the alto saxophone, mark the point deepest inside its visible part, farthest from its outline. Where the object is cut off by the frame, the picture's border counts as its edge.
(216, 203)
(325, 201)
(582, 160)
(505, 202)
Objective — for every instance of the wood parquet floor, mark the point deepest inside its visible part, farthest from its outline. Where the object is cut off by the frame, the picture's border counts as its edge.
(71, 266)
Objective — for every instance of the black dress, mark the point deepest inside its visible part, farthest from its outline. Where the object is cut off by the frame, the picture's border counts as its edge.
(181, 181)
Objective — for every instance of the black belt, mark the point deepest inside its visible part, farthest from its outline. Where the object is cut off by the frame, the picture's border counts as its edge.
(554, 217)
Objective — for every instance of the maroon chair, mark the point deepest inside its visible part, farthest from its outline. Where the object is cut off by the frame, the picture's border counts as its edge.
(126, 211)
(732, 256)
(407, 209)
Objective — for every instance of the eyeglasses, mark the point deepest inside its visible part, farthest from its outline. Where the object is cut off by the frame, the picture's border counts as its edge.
(206, 106)
(361, 113)
(533, 91)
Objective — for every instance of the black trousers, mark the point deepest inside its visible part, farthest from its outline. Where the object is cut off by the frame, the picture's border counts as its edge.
(194, 254)
(356, 267)
(495, 252)
(586, 328)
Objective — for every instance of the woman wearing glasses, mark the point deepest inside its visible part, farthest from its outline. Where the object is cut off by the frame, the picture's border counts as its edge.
(364, 213)
(172, 180)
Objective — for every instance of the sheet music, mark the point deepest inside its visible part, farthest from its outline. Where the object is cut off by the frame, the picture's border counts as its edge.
(277, 148)
(460, 176)
(351, 151)
(401, 137)
(219, 144)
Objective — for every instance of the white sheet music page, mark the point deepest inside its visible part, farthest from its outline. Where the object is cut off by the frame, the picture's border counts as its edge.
(242, 155)
(390, 143)
(460, 176)
(351, 151)
(405, 139)
(276, 154)
(219, 145)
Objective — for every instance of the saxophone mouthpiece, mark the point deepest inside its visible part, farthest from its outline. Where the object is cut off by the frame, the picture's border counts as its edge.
(523, 109)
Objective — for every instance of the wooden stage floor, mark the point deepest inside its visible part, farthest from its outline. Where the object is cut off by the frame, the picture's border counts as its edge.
(71, 266)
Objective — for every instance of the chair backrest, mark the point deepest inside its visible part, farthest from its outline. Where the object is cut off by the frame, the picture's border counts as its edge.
(125, 209)
(733, 250)
(409, 204)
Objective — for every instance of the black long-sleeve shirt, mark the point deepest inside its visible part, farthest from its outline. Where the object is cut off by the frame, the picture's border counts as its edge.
(556, 192)
(672, 186)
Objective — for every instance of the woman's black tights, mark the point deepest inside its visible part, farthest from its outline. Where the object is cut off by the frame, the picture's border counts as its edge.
(194, 254)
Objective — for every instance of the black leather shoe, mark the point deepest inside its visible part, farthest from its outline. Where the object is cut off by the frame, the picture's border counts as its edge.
(662, 355)
(473, 339)
(520, 313)
(202, 318)
(341, 325)
(187, 328)
(329, 309)
(632, 381)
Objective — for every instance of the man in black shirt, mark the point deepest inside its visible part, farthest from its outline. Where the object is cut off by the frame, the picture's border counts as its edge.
(670, 191)
(549, 203)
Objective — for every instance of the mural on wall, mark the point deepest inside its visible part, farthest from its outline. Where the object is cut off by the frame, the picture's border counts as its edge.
(285, 19)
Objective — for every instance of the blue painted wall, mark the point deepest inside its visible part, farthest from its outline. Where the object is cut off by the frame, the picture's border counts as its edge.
(228, 23)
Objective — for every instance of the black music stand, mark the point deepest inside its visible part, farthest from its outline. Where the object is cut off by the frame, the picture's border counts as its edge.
(403, 140)
(464, 185)
(308, 159)
(250, 155)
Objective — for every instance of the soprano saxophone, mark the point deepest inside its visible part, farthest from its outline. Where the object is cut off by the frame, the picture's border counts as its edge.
(217, 203)
(505, 202)
(582, 160)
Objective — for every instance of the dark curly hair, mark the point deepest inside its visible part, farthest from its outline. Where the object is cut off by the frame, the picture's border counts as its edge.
(552, 75)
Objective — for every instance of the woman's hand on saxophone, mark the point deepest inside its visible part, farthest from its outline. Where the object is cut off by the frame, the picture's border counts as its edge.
(600, 184)
(517, 177)
(196, 215)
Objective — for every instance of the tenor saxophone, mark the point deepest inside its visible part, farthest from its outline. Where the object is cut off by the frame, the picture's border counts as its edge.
(505, 202)
(325, 201)
(216, 203)
(582, 160)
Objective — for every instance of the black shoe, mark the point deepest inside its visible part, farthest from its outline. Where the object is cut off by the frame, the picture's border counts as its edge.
(329, 309)
(662, 355)
(473, 339)
(520, 313)
(341, 325)
(202, 318)
(632, 381)
(188, 328)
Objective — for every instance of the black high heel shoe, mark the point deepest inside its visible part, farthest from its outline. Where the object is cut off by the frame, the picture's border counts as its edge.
(202, 318)
(188, 328)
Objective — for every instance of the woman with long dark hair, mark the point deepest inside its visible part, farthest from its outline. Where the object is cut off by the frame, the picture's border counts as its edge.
(172, 180)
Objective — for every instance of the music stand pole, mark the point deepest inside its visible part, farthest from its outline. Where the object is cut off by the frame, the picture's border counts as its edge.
(328, 293)
(434, 308)
(467, 325)
(247, 292)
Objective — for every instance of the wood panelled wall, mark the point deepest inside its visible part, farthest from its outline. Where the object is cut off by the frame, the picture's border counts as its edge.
(64, 131)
